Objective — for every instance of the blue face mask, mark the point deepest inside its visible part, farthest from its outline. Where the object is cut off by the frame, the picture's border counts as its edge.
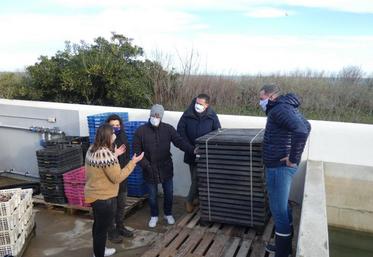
(116, 130)
(263, 104)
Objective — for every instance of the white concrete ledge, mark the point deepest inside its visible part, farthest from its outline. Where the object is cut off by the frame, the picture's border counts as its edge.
(313, 227)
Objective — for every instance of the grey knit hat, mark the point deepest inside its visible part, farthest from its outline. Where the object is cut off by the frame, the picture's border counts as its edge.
(157, 109)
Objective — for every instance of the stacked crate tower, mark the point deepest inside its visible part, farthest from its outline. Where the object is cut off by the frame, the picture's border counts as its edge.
(231, 178)
(17, 220)
(136, 183)
(53, 162)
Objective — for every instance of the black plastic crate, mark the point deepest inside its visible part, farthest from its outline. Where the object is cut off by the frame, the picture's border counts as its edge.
(60, 169)
(58, 200)
(72, 140)
(58, 150)
(231, 177)
(50, 163)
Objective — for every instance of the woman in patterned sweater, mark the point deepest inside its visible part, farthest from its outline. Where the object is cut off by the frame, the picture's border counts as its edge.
(103, 176)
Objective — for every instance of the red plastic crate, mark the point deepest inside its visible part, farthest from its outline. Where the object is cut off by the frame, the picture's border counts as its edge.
(74, 182)
(76, 175)
(75, 194)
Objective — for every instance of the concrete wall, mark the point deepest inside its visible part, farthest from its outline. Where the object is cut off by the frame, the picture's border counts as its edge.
(349, 191)
(329, 141)
(313, 238)
(18, 146)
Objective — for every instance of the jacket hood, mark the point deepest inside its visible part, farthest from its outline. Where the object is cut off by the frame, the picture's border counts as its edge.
(290, 99)
(191, 113)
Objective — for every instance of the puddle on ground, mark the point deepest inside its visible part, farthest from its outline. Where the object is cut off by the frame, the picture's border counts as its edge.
(141, 238)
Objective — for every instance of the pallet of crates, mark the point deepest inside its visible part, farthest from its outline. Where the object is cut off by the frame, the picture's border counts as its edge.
(135, 182)
(53, 162)
(11, 238)
(27, 218)
(231, 178)
(94, 121)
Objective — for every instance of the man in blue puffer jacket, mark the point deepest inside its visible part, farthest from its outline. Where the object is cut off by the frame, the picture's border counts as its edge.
(285, 136)
(198, 120)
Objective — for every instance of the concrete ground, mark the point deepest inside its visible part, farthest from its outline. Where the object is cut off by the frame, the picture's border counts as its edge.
(59, 234)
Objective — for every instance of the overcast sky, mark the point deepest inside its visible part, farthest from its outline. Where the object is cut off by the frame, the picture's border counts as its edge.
(226, 37)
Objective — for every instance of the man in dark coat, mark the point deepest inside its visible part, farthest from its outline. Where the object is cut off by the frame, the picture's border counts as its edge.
(198, 120)
(154, 139)
(285, 136)
(117, 228)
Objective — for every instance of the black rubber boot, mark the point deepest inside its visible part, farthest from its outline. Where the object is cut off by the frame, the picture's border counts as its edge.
(114, 236)
(124, 232)
(283, 246)
(270, 248)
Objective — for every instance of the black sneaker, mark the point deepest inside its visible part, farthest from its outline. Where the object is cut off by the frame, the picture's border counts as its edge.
(125, 232)
(115, 237)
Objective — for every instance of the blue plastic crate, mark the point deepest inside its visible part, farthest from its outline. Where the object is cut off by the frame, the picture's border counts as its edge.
(135, 180)
(94, 121)
(138, 190)
(134, 184)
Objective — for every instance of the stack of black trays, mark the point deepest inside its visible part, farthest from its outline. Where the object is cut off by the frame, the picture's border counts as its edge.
(53, 162)
(231, 178)
(74, 140)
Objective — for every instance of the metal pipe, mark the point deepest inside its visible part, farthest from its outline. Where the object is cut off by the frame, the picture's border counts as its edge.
(54, 131)
(49, 119)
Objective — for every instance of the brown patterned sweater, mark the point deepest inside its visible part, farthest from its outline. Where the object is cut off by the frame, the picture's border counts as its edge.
(103, 175)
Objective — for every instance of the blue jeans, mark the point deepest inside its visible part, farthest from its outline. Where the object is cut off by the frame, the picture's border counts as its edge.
(168, 189)
(278, 185)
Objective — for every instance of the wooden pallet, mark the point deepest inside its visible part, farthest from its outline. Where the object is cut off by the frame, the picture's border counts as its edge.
(189, 238)
(131, 204)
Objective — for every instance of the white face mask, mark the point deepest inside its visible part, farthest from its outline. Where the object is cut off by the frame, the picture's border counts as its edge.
(263, 104)
(199, 108)
(155, 121)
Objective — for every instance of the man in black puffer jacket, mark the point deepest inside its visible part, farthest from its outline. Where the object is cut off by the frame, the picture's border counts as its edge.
(198, 120)
(285, 136)
(154, 139)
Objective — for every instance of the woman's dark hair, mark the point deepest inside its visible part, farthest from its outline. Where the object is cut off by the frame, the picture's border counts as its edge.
(103, 137)
(115, 117)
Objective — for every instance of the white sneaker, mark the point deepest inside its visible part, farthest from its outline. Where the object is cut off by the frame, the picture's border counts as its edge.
(108, 251)
(153, 222)
(170, 219)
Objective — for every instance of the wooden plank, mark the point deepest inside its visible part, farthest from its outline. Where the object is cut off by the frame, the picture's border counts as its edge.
(231, 250)
(194, 221)
(249, 235)
(195, 237)
(228, 229)
(162, 242)
(171, 249)
(268, 230)
(206, 241)
(245, 248)
(216, 248)
(260, 243)
(184, 221)
(215, 228)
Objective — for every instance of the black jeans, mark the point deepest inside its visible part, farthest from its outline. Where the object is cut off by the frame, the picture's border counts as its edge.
(103, 214)
(193, 190)
(120, 205)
